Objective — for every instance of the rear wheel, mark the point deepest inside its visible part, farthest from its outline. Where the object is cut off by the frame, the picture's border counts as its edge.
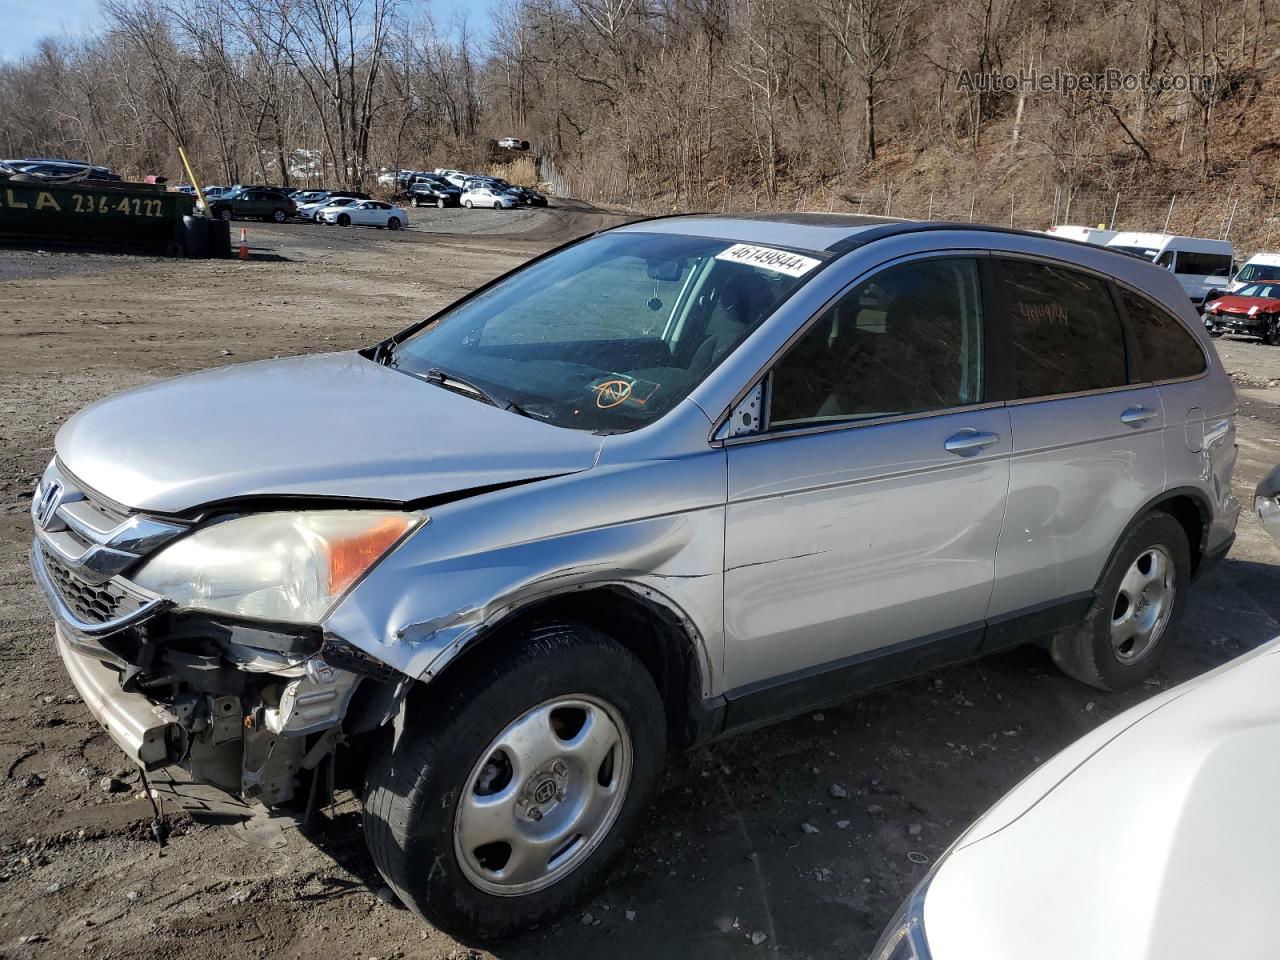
(279, 216)
(225, 213)
(467, 204)
(504, 801)
(1139, 599)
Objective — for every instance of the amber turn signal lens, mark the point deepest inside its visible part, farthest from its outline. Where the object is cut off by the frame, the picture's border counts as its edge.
(349, 557)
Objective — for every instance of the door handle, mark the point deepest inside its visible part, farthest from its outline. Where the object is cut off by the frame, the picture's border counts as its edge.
(969, 441)
(1137, 416)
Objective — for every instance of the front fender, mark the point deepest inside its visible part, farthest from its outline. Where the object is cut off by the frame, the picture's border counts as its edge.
(656, 529)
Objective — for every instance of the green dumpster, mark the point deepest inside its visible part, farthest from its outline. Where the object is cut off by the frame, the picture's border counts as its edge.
(132, 216)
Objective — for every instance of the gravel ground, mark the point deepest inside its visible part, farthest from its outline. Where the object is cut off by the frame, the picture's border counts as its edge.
(724, 866)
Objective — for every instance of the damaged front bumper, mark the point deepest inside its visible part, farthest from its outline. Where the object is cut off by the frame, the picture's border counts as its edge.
(243, 708)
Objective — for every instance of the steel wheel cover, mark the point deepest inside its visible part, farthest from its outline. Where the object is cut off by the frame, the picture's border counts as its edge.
(1143, 604)
(543, 795)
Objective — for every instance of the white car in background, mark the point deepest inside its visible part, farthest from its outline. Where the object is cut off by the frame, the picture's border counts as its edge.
(365, 213)
(1147, 839)
(488, 196)
(310, 211)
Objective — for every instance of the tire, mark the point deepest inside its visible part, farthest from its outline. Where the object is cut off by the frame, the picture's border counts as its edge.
(416, 790)
(344, 220)
(1094, 650)
(467, 204)
(1215, 334)
(279, 215)
(225, 214)
(393, 223)
(1271, 332)
(439, 203)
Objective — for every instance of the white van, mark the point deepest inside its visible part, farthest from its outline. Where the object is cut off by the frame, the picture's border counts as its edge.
(1200, 265)
(1071, 231)
(1260, 268)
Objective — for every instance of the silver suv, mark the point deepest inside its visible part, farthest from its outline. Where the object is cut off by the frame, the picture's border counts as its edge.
(667, 482)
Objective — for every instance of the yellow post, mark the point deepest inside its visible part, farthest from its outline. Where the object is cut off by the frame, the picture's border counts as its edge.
(194, 182)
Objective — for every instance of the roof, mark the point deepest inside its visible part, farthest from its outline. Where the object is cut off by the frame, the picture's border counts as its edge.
(816, 232)
(1176, 241)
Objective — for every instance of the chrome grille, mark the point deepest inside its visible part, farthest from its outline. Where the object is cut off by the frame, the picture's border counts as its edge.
(96, 604)
(88, 537)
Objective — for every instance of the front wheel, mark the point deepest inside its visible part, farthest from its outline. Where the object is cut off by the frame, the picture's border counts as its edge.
(393, 223)
(225, 214)
(504, 801)
(1271, 332)
(440, 203)
(344, 220)
(1126, 632)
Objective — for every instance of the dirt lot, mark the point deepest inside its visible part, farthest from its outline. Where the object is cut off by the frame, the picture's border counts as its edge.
(722, 855)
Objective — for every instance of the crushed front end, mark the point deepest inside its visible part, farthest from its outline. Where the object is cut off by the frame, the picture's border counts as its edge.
(246, 706)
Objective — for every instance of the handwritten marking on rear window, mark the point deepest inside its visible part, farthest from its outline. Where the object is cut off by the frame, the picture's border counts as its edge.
(767, 258)
(1048, 314)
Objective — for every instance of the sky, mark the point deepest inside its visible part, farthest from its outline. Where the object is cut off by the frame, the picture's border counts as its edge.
(25, 22)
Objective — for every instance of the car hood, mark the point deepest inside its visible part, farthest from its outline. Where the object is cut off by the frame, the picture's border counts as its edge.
(1154, 841)
(327, 425)
(1242, 304)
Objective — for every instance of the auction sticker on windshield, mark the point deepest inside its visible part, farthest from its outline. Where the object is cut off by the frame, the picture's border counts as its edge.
(767, 258)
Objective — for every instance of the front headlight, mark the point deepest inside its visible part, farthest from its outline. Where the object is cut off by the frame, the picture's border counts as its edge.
(285, 567)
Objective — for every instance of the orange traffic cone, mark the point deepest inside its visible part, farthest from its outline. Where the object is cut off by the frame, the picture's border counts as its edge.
(244, 243)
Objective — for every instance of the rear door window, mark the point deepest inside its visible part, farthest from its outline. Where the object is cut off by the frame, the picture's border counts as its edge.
(1164, 348)
(1066, 332)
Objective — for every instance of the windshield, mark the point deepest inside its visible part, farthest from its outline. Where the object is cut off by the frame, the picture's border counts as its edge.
(1148, 253)
(610, 333)
(1258, 271)
(1268, 290)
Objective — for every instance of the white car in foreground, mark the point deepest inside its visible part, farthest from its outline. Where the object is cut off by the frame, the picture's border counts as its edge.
(488, 197)
(1148, 839)
(365, 213)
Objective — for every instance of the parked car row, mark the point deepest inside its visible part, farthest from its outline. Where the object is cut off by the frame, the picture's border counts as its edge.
(346, 207)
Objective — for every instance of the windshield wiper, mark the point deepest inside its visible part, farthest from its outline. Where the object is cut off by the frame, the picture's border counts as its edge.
(451, 381)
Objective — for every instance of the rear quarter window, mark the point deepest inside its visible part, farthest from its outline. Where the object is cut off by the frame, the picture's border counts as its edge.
(1164, 348)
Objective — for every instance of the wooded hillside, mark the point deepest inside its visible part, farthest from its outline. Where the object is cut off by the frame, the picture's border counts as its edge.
(696, 104)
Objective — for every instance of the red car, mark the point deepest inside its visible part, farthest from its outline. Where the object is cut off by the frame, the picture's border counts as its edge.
(1253, 310)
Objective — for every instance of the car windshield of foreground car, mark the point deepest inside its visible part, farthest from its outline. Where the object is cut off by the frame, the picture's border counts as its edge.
(1269, 291)
(1147, 253)
(612, 332)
